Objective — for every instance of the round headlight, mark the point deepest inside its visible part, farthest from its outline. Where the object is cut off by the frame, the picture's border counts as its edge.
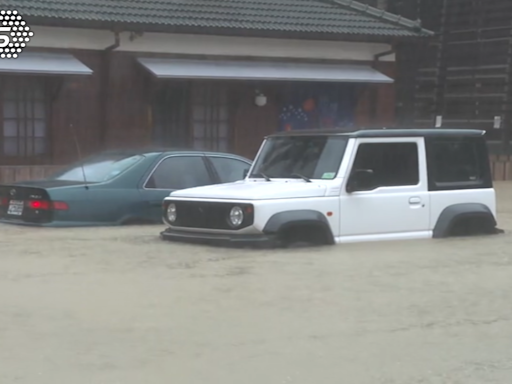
(171, 213)
(236, 216)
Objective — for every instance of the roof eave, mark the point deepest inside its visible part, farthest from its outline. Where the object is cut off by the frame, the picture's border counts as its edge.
(245, 32)
(380, 14)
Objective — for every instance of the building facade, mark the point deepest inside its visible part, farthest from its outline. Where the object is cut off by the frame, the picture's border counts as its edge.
(189, 76)
(462, 78)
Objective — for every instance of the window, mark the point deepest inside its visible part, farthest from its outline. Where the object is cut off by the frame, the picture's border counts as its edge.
(179, 172)
(315, 157)
(98, 169)
(455, 160)
(24, 117)
(229, 170)
(170, 115)
(393, 164)
(210, 117)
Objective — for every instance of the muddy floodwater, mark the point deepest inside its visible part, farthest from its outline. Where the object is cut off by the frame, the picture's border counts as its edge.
(118, 306)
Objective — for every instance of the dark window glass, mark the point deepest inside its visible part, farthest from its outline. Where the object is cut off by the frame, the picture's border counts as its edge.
(316, 157)
(210, 117)
(393, 164)
(179, 172)
(24, 110)
(455, 161)
(97, 169)
(229, 170)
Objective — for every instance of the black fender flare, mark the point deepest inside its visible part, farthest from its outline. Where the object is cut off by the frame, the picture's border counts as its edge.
(455, 212)
(283, 220)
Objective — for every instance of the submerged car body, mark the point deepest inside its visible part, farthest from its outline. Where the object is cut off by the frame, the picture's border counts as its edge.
(115, 187)
(338, 187)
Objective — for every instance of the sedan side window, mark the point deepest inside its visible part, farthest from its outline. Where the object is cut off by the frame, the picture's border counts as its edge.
(229, 169)
(179, 172)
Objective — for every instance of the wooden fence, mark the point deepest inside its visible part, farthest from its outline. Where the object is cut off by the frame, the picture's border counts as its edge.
(501, 166)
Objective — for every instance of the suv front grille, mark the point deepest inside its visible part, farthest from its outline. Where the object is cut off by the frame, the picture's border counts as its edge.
(208, 215)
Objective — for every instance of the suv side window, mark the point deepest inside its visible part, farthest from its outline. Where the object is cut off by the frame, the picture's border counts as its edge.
(179, 172)
(229, 169)
(393, 164)
(455, 160)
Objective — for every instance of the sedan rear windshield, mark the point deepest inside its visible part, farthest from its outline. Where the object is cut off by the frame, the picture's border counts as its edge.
(98, 169)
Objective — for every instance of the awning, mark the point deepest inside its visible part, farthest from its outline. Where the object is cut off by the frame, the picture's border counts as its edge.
(255, 70)
(45, 63)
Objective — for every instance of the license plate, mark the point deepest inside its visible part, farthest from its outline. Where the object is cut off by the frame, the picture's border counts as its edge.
(15, 208)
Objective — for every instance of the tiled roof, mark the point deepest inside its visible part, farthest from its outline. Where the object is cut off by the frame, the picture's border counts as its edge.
(339, 17)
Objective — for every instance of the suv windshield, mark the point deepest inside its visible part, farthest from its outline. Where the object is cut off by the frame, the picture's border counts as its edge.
(313, 157)
(98, 168)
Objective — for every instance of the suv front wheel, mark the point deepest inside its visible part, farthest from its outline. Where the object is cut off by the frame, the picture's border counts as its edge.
(305, 235)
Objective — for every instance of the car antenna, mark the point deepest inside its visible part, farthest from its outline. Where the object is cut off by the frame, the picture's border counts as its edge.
(77, 144)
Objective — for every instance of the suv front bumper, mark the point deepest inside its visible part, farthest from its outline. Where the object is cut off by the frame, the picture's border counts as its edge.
(234, 240)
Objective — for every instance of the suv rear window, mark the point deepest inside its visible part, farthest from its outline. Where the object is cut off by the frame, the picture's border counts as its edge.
(456, 161)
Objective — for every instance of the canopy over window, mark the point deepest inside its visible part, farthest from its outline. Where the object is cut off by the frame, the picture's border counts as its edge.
(44, 64)
(256, 70)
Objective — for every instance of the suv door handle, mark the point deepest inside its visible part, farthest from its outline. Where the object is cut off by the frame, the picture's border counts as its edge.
(414, 200)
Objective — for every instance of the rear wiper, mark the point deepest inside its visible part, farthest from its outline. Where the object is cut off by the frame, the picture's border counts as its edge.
(262, 175)
(306, 179)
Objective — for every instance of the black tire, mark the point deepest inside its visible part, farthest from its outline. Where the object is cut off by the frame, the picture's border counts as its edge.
(305, 235)
(472, 226)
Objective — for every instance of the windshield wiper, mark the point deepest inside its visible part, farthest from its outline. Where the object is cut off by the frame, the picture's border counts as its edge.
(262, 175)
(306, 179)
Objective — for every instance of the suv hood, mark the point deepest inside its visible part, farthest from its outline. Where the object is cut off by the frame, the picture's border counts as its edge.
(255, 190)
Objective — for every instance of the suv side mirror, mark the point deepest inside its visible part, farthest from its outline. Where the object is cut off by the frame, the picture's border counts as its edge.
(361, 180)
(246, 171)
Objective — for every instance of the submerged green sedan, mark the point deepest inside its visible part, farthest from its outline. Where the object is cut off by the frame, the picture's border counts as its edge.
(115, 187)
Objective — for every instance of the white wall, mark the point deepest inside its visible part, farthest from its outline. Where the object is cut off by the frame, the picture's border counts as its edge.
(52, 37)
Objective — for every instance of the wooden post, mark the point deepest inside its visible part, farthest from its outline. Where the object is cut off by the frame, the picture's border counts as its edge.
(438, 104)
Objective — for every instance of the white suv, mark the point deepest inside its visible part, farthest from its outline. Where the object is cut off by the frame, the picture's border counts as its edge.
(337, 187)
